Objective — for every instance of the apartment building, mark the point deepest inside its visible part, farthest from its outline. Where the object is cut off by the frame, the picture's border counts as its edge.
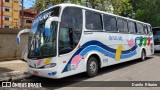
(29, 15)
(9, 13)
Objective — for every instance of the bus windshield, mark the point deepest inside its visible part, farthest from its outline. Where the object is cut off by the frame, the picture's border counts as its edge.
(41, 46)
(156, 33)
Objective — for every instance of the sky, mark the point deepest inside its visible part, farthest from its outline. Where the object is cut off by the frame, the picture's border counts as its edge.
(28, 3)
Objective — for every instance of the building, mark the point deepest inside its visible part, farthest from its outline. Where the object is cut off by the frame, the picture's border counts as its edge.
(9, 13)
(29, 15)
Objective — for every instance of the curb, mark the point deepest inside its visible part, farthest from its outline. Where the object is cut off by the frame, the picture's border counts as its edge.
(9, 59)
(14, 75)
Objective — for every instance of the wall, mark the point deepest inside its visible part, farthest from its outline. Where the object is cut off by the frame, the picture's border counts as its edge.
(9, 49)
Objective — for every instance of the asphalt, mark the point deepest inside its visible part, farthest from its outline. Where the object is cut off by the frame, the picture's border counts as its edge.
(13, 70)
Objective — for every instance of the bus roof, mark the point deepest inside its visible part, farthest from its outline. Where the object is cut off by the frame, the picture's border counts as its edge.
(83, 7)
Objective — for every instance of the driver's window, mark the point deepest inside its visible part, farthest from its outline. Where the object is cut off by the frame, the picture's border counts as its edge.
(65, 43)
(70, 29)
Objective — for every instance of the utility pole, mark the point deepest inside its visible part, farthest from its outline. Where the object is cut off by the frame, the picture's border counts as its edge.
(22, 22)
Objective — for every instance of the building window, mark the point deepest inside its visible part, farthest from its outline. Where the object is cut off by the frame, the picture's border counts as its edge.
(15, 10)
(15, 19)
(15, 1)
(6, 18)
(7, 1)
(6, 26)
(7, 9)
(28, 21)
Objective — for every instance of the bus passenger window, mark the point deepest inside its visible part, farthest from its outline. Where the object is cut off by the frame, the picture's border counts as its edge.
(93, 21)
(131, 27)
(140, 28)
(145, 29)
(149, 30)
(65, 42)
(122, 25)
(109, 23)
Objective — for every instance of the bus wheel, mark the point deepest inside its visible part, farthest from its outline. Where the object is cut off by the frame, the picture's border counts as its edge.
(143, 55)
(92, 67)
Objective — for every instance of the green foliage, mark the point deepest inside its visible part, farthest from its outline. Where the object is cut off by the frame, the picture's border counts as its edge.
(147, 11)
(122, 7)
(104, 5)
(143, 10)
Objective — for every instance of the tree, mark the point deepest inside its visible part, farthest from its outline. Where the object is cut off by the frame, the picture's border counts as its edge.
(122, 7)
(147, 11)
(104, 5)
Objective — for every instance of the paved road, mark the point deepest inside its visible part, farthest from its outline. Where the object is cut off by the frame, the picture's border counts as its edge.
(148, 70)
(15, 65)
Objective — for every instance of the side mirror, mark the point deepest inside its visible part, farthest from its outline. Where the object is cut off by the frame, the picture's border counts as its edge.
(47, 31)
(21, 32)
(47, 27)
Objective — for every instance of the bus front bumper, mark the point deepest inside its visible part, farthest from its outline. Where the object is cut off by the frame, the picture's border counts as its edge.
(47, 72)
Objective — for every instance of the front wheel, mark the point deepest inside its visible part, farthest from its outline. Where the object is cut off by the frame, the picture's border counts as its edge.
(92, 67)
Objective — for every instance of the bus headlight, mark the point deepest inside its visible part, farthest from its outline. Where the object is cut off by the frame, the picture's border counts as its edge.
(50, 65)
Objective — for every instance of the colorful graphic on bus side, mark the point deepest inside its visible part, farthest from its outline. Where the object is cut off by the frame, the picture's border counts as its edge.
(116, 54)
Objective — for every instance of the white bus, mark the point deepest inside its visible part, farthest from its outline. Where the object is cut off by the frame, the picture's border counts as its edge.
(68, 39)
(156, 35)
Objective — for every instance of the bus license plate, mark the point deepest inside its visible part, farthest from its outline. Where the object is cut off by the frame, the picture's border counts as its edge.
(35, 72)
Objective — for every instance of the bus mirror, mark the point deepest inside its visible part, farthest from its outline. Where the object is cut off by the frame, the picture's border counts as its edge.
(47, 31)
(18, 40)
(21, 32)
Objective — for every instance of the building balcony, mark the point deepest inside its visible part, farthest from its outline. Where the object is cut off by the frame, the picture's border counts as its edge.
(7, 14)
(7, 4)
(7, 22)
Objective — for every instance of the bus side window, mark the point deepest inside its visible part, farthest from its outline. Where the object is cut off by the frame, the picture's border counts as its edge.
(131, 27)
(93, 21)
(149, 30)
(140, 29)
(122, 25)
(65, 42)
(145, 29)
(109, 23)
(70, 29)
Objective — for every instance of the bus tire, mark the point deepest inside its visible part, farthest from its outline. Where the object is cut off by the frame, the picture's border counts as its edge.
(143, 55)
(92, 67)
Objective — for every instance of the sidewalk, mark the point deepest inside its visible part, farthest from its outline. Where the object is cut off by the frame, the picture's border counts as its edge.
(13, 70)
